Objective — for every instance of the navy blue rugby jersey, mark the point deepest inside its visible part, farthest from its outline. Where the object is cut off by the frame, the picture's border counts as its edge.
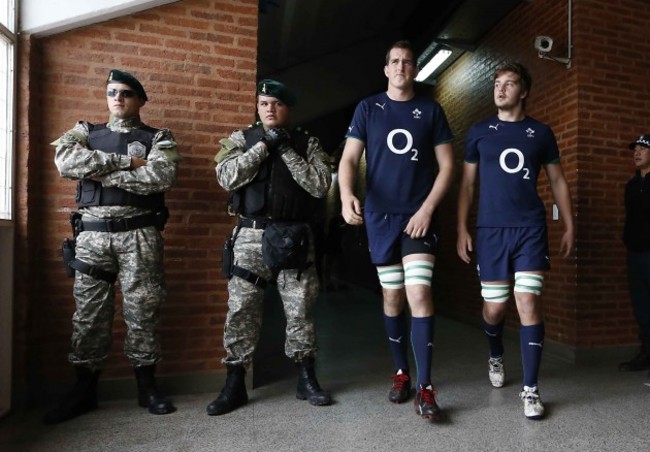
(510, 156)
(400, 137)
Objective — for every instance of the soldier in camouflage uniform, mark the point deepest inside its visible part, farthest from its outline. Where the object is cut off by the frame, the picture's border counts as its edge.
(276, 176)
(122, 169)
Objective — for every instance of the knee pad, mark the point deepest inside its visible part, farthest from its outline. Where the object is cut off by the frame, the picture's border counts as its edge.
(495, 293)
(418, 272)
(391, 277)
(529, 282)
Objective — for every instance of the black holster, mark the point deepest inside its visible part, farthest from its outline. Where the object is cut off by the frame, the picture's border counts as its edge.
(68, 252)
(227, 257)
(162, 216)
(68, 248)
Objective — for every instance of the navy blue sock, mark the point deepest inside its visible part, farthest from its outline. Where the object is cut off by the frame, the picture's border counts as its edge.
(531, 339)
(422, 343)
(494, 334)
(397, 330)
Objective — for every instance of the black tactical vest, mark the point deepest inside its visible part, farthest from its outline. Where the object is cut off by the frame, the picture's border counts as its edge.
(274, 194)
(91, 193)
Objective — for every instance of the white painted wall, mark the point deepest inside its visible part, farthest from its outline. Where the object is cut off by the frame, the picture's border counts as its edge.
(48, 17)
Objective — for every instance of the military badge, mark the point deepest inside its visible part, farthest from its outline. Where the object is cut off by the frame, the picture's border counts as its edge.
(137, 149)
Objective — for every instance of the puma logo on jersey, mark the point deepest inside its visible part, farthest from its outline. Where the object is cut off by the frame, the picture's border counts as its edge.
(398, 340)
(380, 105)
(495, 126)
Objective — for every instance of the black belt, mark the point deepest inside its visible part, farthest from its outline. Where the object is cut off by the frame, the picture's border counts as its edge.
(120, 224)
(253, 223)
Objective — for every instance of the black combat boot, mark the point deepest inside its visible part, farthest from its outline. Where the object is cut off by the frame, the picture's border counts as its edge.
(233, 395)
(308, 387)
(642, 360)
(82, 398)
(148, 395)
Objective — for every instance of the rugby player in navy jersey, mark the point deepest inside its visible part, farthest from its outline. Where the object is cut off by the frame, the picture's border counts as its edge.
(409, 157)
(507, 152)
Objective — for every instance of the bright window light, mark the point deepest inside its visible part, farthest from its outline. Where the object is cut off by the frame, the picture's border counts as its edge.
(7, 49)
(433, 64)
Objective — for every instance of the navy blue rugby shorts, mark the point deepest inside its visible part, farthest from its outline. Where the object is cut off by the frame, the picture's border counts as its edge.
(501, 252)
(387, 241)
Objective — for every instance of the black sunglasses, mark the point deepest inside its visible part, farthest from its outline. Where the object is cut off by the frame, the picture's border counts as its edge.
(120, 92)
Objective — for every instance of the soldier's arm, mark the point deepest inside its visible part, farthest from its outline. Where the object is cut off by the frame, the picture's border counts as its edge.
(237, 167)
(313, 173)
(157, 175)
(74, 160)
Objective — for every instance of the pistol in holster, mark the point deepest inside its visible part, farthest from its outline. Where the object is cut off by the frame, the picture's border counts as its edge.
(227, 257)
(162, 216)
(68, 247)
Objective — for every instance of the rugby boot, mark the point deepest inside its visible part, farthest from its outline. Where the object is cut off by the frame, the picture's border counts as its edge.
(233, 395)
(401, 387)
(308, 387)
(80, 400)
(148, 395)
(425, 403)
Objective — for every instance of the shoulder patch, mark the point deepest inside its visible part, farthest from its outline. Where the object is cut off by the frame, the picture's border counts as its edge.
(227, 145)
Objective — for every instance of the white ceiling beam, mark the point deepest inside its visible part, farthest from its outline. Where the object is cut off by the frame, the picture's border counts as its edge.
(48, 17)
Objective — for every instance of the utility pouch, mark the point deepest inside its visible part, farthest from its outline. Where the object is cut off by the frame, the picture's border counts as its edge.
(285, 246)
(68, 252)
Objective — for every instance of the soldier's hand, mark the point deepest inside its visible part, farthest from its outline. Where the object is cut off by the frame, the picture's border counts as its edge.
(273, 137)
(137, 162)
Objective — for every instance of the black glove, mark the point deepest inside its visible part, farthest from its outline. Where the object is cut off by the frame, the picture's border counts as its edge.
(283, 147)
(273, 137)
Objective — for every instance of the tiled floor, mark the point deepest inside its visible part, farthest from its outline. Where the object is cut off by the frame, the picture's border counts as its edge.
(590, 408)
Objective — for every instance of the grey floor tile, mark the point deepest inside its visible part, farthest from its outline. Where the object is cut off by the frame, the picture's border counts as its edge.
(590, 407)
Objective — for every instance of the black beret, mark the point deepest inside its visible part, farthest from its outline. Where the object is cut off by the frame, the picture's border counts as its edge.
(273, 88)
(117, 76)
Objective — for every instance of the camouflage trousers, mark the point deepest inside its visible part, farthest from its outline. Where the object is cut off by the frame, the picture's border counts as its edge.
(244, 318)
(136, 256)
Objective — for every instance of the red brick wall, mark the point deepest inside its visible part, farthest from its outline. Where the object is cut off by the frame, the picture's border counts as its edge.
(595, 108)
(614, 100)
(197, 62)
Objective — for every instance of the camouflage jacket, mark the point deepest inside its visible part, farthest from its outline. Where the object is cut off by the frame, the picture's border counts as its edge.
(237, 167)
(75, 161)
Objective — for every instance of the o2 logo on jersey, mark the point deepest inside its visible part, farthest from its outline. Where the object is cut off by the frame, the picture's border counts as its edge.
(404, 138)
(520, 162)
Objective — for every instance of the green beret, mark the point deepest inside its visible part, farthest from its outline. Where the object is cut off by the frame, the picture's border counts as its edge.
(117, 76)
(273, 88)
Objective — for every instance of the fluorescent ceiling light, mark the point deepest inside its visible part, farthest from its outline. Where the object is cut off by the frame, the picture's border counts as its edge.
(433, 64)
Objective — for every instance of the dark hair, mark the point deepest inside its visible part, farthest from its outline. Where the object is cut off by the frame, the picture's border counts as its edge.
(520, 70)
(402, 44)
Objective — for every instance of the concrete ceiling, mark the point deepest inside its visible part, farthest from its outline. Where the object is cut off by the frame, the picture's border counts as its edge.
(332, 51)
